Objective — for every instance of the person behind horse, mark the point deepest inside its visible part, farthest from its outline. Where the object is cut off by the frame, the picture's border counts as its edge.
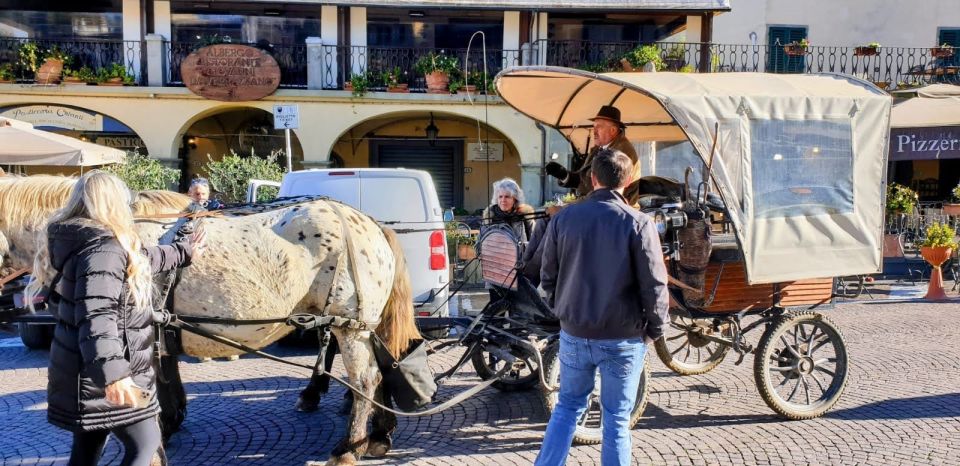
(507, 207)
(199, 192)
(608, 133)
(605, 279)
(101, 375)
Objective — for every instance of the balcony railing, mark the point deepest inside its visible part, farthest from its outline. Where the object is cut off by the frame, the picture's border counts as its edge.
(331, 67)
(21, 56)
(888, 67)
(292, 60)
(340, 63)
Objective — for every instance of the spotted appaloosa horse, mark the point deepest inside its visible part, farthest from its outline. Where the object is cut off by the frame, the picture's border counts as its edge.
(265, 262)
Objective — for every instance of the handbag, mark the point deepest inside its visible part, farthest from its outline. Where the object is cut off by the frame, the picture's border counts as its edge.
(409, 381)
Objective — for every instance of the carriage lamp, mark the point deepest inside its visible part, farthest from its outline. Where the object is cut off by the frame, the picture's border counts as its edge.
(432, 131)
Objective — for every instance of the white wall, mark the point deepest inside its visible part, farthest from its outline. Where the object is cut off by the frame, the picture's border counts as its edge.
(894, 23)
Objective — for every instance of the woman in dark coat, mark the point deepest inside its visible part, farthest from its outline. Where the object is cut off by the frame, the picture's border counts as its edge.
(101, 376)
(507, 207)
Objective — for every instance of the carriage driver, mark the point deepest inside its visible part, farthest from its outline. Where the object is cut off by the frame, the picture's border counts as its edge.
(608, 133)
(605, 279)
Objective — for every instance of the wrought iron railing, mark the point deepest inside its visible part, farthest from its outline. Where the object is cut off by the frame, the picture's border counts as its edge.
(340, 63)
(292, 60)
(888, 67)
(22, 57)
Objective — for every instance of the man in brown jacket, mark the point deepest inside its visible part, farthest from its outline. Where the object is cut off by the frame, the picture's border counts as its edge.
(608, 133)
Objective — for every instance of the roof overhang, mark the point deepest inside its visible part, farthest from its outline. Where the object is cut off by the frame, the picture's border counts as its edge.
(555, 5)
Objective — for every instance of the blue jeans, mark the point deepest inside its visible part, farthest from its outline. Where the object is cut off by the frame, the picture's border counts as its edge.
(620, 363)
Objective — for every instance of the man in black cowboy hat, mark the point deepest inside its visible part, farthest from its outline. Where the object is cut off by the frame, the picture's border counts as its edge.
(608, 133)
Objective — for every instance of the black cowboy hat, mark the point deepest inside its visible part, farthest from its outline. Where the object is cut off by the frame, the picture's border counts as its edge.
(609, 112)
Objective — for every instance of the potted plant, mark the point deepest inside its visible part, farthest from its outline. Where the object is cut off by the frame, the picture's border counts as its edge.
(936, 249)
(900, 199)
(52, 67)
(358, 85)
(437, 68)
(114, 75)
(674, 59)
(796, 48)
(84, 75)
(396, 80)
(7, 76)
(867, 50)
(455, 85)
(29, 58)
(953, 207)
(943, 51)
(643, 58)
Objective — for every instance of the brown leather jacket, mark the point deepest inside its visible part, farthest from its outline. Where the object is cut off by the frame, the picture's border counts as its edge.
(580, 179)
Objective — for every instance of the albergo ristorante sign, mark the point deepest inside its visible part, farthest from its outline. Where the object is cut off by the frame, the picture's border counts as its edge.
(925, 143)
(230, 72)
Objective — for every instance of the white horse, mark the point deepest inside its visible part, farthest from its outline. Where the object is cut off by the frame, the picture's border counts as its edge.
(263, 262)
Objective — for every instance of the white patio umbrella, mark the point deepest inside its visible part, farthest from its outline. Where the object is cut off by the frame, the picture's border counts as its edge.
(22, 144)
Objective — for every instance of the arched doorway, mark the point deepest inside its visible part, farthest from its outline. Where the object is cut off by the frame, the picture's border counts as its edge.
(463, 157)
(243, 131)
(81, 123)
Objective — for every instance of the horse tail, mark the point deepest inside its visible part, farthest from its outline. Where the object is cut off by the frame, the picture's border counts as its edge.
(397, 325)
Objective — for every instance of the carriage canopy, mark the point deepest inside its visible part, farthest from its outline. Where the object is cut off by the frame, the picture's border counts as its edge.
(800, 160)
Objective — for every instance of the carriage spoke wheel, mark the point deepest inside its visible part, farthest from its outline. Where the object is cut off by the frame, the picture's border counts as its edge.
(589, 429)
(683, 347)
(524, 374)
(801, 365)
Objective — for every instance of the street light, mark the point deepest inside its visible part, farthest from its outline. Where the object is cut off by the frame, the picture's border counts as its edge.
(432, 131)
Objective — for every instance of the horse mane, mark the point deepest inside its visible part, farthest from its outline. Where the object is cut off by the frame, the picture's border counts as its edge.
(156, 201)
(29, 200)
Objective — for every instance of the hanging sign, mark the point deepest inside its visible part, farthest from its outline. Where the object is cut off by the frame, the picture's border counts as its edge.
(57, 117)
(286, 116)
(489, 152)
(230, 72)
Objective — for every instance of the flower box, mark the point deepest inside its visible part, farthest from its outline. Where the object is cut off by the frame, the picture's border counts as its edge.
(866, 51)
(941, 52)
(794, 50)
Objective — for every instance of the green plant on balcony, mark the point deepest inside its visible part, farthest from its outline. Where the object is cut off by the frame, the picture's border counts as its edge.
(900, 199)
(7, 73)
(56, 53)
(640, 57)
(455, 85)
(437, 68)
(114, 75)
(204, 40)
(395, 79)
(867, 50)
(82, 75)
(955, 193)
(686, 69)
(358, 84)
(945, 50)
(29, 56)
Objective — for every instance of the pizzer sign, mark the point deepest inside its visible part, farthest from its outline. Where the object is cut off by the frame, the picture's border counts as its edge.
(230, 72)
(926, 143)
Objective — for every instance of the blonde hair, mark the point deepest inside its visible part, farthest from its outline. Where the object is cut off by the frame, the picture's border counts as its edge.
(105, 199)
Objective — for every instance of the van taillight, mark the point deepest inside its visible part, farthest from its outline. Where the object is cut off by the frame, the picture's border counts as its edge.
(438, 251)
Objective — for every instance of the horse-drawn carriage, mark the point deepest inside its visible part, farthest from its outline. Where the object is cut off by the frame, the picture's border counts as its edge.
(788, 194)
(791, 173)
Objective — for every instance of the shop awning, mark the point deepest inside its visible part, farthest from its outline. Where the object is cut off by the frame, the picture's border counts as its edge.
(696, 5)
(22, 144)
(927, 127)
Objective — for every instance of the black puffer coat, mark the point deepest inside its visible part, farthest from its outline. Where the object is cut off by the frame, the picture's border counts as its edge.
(99, 338)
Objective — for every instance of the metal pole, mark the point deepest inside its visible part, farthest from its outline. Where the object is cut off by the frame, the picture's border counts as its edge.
(289, 151)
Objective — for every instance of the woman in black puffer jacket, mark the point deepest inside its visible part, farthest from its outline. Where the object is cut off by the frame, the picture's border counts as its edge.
(101, 376)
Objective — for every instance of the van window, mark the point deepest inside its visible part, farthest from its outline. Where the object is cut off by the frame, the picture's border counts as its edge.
(345, 189)
(389, 199)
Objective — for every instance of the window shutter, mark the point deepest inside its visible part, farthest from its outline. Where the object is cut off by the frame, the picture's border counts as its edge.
(951, 37)
(778, 60)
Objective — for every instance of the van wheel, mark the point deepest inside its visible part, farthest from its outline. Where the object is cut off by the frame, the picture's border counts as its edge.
(35, 336)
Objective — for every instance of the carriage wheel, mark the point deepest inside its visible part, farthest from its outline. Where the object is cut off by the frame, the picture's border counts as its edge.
(683, 348)
(522, 376)
(801, 365)
(589, 427)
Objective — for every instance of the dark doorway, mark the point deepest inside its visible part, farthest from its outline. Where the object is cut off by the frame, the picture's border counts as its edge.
(443, 160)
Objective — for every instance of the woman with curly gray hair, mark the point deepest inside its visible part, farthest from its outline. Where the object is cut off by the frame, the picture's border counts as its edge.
(507, 206)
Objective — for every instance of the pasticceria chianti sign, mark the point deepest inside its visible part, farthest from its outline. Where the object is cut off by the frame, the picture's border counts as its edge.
(230, 72)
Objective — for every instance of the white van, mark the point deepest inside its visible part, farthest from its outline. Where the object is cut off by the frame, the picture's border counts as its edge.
(404, 200)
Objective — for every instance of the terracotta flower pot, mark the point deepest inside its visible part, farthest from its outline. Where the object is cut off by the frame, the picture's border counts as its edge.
(438, 82)
(402, 88)
(348, 86)
(935, 256)
(466, 252)
(865, 51)
(113, 82)
(73, 80)
(50, 71)
(941, 52)
(629, 68)
(951, 209)
(794, 50)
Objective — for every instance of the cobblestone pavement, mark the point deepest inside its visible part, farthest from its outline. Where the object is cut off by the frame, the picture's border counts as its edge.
(901, 406)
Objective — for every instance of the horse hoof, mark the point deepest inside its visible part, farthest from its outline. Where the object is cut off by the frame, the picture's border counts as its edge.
(304, 406)
(378, 448)
(346, 459)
